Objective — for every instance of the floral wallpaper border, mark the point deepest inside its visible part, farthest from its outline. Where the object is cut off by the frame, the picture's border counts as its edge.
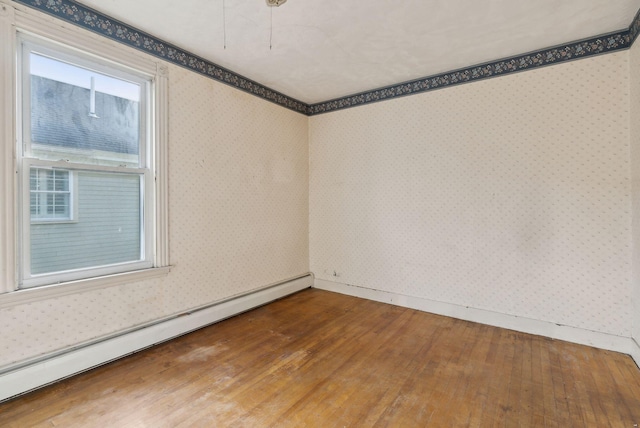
(577, 50)
(88, 18)
(634, 29)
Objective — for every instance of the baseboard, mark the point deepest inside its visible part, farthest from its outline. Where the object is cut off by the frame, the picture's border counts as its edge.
(26, 377)
(580, 336)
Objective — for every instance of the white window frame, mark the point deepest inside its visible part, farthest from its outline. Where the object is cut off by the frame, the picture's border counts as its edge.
(16, 19)
(28, 44)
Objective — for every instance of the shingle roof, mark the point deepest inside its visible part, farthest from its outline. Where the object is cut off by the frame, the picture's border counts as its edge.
(60, 117)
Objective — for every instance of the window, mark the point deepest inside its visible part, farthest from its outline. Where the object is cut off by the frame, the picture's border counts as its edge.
(85, 165)
(50, 195)
(83, 182)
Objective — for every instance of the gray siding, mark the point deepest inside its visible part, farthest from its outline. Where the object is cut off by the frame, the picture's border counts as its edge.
(106, 230)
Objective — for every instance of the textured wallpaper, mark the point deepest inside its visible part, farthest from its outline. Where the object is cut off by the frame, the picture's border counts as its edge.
(634, 55)
(238, 220)
(509, 195)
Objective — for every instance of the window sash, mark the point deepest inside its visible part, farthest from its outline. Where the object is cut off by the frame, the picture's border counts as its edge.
(31, 44)
(28, 160)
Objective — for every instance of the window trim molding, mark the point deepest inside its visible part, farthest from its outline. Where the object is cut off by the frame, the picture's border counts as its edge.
(33, 23)
(8, 213)
(160, 154)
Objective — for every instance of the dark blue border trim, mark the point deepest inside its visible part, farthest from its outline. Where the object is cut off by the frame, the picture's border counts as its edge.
(87, 18)
(96, 22)
(576, 50)
(634, 29)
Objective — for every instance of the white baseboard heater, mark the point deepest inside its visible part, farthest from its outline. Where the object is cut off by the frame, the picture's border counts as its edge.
(27, 376)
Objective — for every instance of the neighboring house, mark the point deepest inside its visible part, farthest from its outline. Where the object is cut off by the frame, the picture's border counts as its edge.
(60, 117)
(79, 218)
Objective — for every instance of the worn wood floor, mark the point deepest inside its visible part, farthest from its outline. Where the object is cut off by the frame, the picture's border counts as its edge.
(320, 359)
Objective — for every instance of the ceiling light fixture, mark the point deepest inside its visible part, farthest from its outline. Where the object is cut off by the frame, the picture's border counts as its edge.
(275, 3)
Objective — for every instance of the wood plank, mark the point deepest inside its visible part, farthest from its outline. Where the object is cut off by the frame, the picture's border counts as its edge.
(556, 411)
(322, 359)
(497, 399)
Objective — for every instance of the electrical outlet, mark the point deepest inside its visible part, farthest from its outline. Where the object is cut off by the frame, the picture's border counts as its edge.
(332, 273)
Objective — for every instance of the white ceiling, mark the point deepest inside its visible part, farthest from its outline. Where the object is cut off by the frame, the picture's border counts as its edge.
(325, 49)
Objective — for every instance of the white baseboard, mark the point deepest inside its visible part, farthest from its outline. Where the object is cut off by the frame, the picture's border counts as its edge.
(625, 345)
(49, 369)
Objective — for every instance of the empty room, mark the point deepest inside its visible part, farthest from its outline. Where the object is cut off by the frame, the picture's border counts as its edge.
(298, 213)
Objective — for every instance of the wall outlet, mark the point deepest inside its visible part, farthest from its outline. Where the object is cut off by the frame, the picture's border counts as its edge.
(332, 273)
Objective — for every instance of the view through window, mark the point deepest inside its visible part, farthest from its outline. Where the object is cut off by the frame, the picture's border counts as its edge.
(85, 155)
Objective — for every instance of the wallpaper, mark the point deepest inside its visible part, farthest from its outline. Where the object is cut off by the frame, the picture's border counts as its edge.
(509, 195)
(238, 220)
(634, 55)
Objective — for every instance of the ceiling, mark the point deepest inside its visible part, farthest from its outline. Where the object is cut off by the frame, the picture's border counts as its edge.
(325, 49)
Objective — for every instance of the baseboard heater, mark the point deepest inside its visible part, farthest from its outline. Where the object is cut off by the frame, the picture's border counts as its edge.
(26, 376)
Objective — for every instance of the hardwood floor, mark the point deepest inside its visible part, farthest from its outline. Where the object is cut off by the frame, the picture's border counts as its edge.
(320, 359)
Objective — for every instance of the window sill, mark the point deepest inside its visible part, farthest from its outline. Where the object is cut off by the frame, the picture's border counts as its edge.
(80, 286)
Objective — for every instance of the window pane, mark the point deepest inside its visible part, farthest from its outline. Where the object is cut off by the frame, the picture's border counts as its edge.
(34, 204)
(70, 120)
(60, 181)
(107, 230)
(34, 179)
(60, 204)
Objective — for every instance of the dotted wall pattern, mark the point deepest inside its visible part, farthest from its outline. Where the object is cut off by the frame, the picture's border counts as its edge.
(509, 195)
(239, 187)
(238, 220)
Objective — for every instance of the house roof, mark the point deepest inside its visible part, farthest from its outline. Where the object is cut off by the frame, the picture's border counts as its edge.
(60, 118)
